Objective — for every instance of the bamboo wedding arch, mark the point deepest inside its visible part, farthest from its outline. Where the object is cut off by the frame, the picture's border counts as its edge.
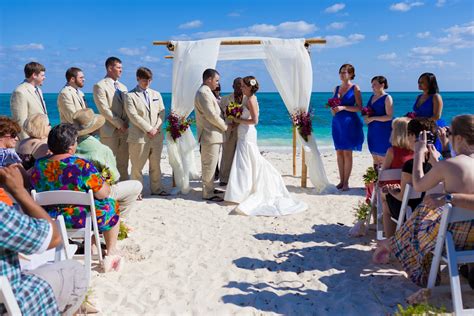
(308, 42)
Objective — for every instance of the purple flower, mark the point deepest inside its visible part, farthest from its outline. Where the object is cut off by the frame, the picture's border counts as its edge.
(70, 175)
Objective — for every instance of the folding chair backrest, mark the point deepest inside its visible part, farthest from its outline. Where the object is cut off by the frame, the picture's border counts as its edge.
(384, 175)
(408, 194)
(453, 257)
(8, 298)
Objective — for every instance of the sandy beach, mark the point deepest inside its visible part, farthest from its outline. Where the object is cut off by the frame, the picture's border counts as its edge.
(186, 256)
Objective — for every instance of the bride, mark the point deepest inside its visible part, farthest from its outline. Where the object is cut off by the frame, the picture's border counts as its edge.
(253, 182)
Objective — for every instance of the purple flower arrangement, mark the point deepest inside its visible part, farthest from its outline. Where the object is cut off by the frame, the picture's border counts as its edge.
(177, 125)
(302, 121)
(233, 110)
(333, 102)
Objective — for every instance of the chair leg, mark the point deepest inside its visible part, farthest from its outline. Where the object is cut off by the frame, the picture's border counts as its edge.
(454, 275)
(88, 248)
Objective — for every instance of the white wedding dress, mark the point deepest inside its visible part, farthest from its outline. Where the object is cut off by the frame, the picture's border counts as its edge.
(253, 182)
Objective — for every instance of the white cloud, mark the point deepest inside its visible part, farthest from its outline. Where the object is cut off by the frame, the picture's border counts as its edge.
(405, 6)
(383, 38)
(191, 24)
(234, 14)
(335, 8)
(440, 3)
(336, 26)
(26, 47)
(429, 50)
(285, 29)
(150, 59)
(459, 36)
(335, 41)
(132, 51)
(423, 34)
(389, 56)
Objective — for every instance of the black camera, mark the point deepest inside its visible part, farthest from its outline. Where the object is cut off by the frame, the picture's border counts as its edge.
(430, 137)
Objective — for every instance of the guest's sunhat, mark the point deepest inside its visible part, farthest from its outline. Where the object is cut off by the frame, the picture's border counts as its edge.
(87, 122)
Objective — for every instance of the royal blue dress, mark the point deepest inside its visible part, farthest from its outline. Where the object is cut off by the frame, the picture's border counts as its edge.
(426, 110)
(347, 132)
(378, 136)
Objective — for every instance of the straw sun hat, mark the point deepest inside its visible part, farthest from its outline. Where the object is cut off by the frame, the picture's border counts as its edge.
(87, 122)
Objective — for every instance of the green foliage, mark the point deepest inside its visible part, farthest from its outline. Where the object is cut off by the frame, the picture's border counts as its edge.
(123, 231)
(362, 210)
(419, 309)
(370, 176)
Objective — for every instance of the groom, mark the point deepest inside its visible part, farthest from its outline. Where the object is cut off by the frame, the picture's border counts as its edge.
(210, 128)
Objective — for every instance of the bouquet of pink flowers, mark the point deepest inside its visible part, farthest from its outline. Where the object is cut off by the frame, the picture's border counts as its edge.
(367, 110)
(177, 125)
(411, 115)
(333, 102)
(233, 110)
(302, 121)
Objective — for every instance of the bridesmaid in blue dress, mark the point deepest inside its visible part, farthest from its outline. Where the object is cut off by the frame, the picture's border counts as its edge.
(347, 131)
(429, 104)
(380, 122)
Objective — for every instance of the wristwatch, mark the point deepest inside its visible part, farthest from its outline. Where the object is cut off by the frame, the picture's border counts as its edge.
(449, 198)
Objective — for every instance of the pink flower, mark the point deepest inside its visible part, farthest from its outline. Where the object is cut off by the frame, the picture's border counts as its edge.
(333, 102)
(302, 121)
(411, 115)
(367, 110)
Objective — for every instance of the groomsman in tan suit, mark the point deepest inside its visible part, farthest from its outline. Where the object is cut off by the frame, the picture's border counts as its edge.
(210, 128)
(71, 98)
(109, 97)
(230, 136)
(27, 99)
(146, 112)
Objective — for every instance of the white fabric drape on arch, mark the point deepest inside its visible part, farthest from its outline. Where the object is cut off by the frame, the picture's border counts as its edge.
(190, 60)
(289, 65)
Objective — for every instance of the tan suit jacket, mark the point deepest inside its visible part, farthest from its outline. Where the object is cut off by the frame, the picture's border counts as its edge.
(210, 125)
(25, 102)
(70, 101)
(110, 104)
(144, 118)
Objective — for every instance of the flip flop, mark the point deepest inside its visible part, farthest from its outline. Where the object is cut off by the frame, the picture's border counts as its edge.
(218, 191)
(161, 193)
(215, 198)
(139, 197)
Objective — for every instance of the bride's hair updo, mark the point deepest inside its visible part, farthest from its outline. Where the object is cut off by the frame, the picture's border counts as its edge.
(251, 81)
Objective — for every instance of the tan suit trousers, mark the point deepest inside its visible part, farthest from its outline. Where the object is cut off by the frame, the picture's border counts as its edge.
(139, 154)
(119, 147)
(228, 151)
(209, 160)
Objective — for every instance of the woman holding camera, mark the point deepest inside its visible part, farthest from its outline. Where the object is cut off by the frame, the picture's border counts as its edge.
(392, 202)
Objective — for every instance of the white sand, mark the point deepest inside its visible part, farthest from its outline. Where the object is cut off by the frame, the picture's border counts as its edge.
(187, 256)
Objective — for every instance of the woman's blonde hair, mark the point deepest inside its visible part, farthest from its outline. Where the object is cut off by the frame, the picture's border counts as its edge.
(399, 135)
(37, 126)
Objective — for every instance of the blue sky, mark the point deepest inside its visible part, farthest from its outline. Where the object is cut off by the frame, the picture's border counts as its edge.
(397, 39)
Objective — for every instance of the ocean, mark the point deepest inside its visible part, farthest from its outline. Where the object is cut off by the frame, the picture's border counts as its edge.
(274, 128)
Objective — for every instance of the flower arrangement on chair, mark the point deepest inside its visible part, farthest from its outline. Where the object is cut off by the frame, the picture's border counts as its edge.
(177, 125)
(303, 122)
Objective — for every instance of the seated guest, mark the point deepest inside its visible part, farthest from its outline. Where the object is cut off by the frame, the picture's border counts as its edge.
(65, 171)
(413, 243)
(400, 152)
(9, 131)
(90, 148)
(50, 289)
(392, 201)
(37, 128)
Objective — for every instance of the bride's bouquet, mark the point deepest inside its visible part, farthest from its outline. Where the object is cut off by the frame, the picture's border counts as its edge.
(177, 125)
(233, 110)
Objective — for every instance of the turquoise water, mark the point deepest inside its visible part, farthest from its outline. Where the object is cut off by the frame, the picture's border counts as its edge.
(274, 128)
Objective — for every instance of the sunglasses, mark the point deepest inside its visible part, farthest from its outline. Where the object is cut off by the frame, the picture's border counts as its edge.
(12, 135)
(448, 132)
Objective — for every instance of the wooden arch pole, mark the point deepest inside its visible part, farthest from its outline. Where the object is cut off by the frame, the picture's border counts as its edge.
(308, 42)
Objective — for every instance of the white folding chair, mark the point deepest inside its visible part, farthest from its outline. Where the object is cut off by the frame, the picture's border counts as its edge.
(384, 175)
(7, 298)
(76, 198)
(453, 258)
(408, 194)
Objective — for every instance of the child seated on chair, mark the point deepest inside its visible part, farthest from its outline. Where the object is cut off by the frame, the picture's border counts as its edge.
(413, 243)
(51, 289)
(64, 171)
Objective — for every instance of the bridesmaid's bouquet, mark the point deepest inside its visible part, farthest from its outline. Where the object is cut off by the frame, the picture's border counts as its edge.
(302, 121)
(333, 102)
(233, 110)
(367, 110)
(177, 125)
(411, 115)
